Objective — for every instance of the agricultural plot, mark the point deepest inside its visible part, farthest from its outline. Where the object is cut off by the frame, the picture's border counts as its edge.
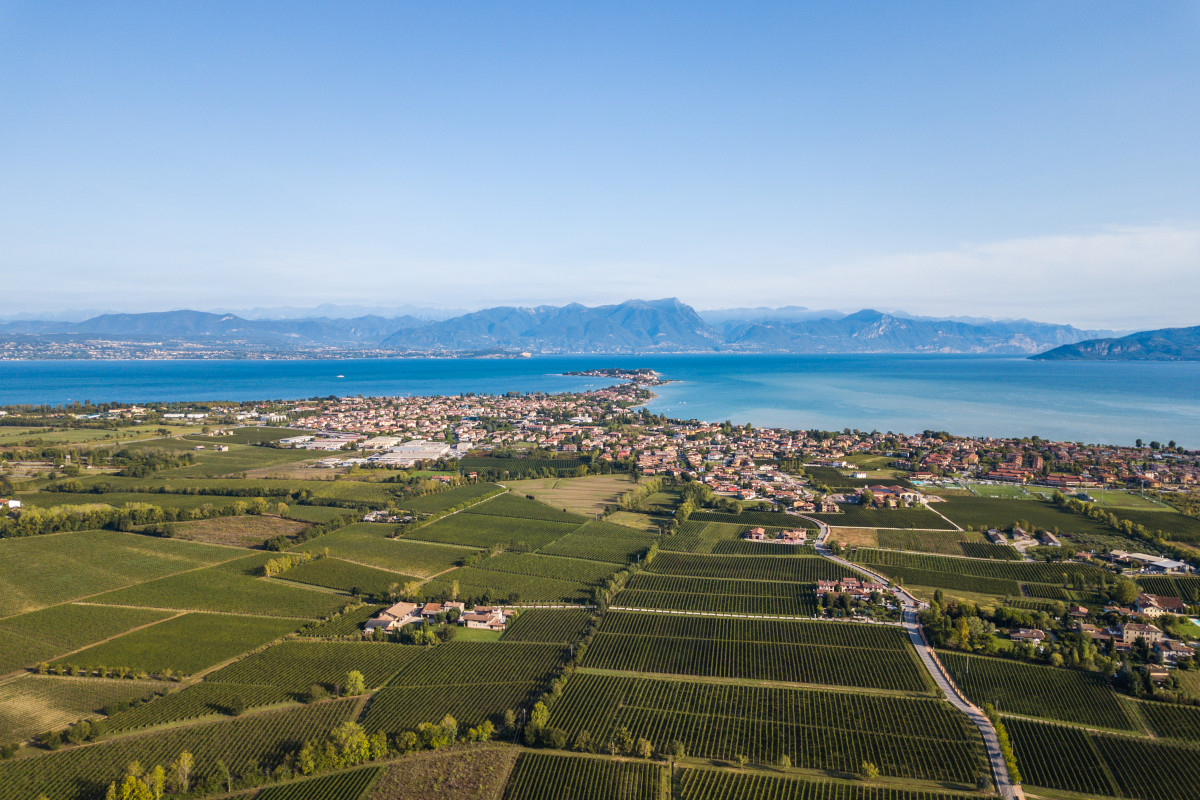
(249, 435)
(479, 530)
(723, 596)
(342, 786)
(317, 514)
(950, 580)
(487, 585)
(501, 468)
(836, 480)
(939, 542)
(1075, 760)
(1034, 691)
(31, 704)
(746, 547)
(601, 541)
(471, 681)
(791, 651)
(588, 495)
(509, 505)
(466, 772)
(347, 623)
(367, 543)
(40, 571)
(244, 744)
(185, 502)
(440, 501)
(1172, 721)
(1000, 552)
(60, 629)
(1045, 591)
(187, 644)
(557, 567)
(1024, 571)
(856, 516)
(243, 531)
(542, 776)
(766, 519)
(295, 666)
(1186, 588)
(333, 573)
(217, 589)
(915, 738)
(991, 512)
(705, 784)
(1176, 526)
(203, 699)
(239, 458)
(557, 626)
(762, 568)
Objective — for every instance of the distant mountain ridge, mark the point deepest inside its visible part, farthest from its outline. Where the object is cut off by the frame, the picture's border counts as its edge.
(634, 326)
(1165, 344)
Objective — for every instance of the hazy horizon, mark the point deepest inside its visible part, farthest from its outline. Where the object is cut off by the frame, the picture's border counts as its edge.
(1017, 160)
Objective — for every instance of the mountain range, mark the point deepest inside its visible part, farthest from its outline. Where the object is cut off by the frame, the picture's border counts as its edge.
(1165, 344)
(634, 326)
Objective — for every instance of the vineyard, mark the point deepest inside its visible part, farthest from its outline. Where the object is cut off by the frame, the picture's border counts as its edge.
(487, 585)
(505, 468)
(480, 530)
(703, 784)
(767, 519)
(399, 709)
(798, 652)
(342, 786)
(601, 541)
(185, 644)
(201, 700)
(723, 596)
(509, 505)
(1045, 591)
(948, 543)
(556, 567)
(856, 516)
(541, 776)
(333, 573)
(440, 501)
(1034, 691)
(367, 543)
(745, 547)
(760, 568)
(993, 512)
(548, 625)
(913, 738)
(1172, 721)
(948, 580)
(349, 623)
(462, 663)
(244, 744)
(297, 665)
(1024, 571)
(217, 589)
(1186, 589)
(40, 635)
(30, 704)
(1075, 760)
(1000, 552)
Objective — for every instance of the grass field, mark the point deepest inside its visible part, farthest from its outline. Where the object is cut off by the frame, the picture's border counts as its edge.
(588, 495)
(367, 543)
(187, 644)
(31, 704)
(227, 590)
(39, 571)
(239, 458)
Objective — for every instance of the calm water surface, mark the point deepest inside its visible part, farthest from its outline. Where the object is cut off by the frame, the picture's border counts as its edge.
(982, 395)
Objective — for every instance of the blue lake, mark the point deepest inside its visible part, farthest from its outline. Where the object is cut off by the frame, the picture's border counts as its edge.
(979, 395)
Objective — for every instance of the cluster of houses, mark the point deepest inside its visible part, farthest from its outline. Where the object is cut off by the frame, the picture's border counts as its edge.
(857, 589)
(796, 536)
(1022, 538)
(493, 618)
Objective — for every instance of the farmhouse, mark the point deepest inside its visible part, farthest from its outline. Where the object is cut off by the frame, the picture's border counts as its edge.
(1154, 606)
(1028, 635)
(1132, 631)
(393, 618)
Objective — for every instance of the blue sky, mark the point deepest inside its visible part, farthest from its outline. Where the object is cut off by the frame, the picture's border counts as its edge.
(1005, 159)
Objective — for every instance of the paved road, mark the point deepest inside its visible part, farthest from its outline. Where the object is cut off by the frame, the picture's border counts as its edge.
(1007, 788)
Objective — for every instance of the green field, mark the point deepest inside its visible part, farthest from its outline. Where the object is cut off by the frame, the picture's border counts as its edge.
(367, 543)
(707, 784)
(548, 625)
(802, 569)
(245, 744)
(40, 571)
(509, 505)
(478, 530)
(226, 589)
(988, 512)
(489, 585)
(31, 704)
(602, 541)
(589, 495)
(200, 700)
(940, 542)
(560, 568)
(539, 776)
(295, 666)
(61, 629)
(187, 644)
(833, 654)
(448, 498)
(856, 516)
(1034, 691)
(914, 738)
(726, 596)
(333, 573)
